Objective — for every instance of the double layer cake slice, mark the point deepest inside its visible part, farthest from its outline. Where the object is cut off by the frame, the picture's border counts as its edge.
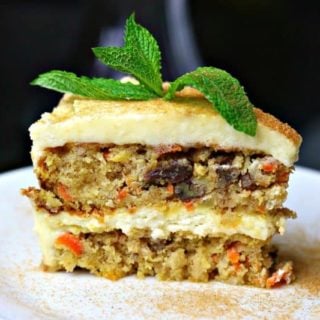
(158, 188)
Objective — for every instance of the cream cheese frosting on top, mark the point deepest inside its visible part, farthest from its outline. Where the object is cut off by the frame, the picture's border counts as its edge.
(187, 120)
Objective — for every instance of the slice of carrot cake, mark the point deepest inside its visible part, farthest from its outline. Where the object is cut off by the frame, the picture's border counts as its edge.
(154, 188)
(189, 186)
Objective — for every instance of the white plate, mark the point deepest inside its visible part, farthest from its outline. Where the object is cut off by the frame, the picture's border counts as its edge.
(28, 293)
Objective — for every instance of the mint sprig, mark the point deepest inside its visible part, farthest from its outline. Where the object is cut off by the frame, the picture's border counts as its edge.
(140, 57)
(224, 92)
(96, 88)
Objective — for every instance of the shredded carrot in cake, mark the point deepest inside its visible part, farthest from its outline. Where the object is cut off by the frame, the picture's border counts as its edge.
(170, 188)
(278, 279)
(270, 167)
(163, 149)
(71, 242)
(261, 209)
(63, 192)
(189, 205)
(233, 255)
(122, 194)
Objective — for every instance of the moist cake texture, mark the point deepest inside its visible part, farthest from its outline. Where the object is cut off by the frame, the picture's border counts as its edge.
(163, 189)
(99, 177)
(237, 259)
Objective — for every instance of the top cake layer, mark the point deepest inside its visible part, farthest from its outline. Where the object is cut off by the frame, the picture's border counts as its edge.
(187, 120)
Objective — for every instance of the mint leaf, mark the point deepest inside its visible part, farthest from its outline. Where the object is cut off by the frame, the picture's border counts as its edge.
(139, 57)
(136, 35)
(224, 92)
(97, 88)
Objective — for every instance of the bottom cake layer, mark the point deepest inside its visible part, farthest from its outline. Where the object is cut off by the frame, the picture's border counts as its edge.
(236, 259)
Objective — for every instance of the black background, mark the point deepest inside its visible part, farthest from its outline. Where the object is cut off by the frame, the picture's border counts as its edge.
(272, 47)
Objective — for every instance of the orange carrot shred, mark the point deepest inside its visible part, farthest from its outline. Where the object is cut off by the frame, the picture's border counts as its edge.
(237, 266)
(271, 281)
(269, 167)
(170, 188)
(176, 148)
(233, 255)
(277, 279)
(122, 194)
(71, 242)
(261, 209)
(163, 149)
(189, 205)
(63, 192)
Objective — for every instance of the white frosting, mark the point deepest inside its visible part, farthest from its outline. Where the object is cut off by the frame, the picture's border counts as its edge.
(202, 221)
(182, 121)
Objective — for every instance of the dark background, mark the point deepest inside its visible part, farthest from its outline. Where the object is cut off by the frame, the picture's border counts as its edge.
(272, 47)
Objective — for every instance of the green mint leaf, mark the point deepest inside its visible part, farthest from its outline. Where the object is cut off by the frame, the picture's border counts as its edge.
(136, 35)
(97, 88)
(139, 57)
(224, 92)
